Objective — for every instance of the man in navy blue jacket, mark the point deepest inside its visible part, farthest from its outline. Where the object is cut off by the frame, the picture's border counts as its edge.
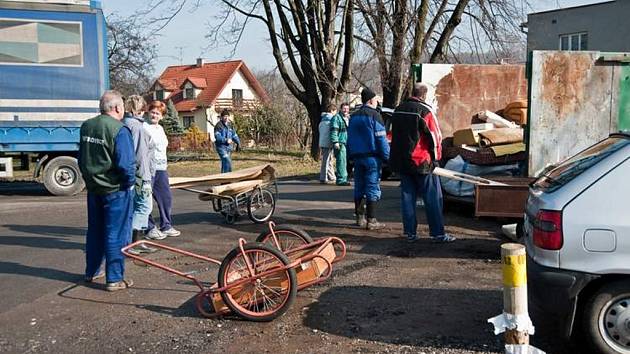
(225, 136)
(368, 147)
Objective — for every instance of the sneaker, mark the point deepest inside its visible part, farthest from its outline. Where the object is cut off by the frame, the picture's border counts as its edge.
(446, 238)
(98, 275)
(142, 248)
(412, 239)
(361, 221)
(121, 285)
(171, 232)
(373, 224)
(155, 234)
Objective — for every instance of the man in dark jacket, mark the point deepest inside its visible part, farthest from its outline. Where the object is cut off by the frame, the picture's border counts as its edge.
(108, 165)
(368, 148)
(415, 151)
(224, 137)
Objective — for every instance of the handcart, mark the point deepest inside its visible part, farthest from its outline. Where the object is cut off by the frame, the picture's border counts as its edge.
(252, 191)
(259, 280)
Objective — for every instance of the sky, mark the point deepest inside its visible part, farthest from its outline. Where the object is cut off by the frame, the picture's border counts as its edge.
(183, 40)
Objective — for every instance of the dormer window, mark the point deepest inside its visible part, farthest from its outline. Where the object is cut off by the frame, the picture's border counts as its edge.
(159, 95)
(189, 93)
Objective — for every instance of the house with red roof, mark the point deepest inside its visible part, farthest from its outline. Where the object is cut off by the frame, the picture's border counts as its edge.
(201, 91)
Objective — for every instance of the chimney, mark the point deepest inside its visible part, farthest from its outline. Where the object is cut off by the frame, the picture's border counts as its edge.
(200, 62)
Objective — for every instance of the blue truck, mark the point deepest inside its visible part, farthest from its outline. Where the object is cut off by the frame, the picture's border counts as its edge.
(53, 70)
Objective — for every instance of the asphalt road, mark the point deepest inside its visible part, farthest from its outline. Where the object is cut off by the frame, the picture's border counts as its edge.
(387, 296)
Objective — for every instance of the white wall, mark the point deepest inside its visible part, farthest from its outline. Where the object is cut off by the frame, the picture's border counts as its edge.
(238, 82)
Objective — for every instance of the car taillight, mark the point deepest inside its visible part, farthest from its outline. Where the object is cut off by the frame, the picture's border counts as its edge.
(548, 230)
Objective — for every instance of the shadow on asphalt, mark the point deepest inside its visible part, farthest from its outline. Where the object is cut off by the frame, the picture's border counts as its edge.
(49, 230)
(39, 272)
(23, 188)
(40, 242)
(186, 309)
(407, 316)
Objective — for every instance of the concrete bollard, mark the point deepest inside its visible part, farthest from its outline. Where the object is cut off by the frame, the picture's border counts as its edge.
(514, 320)
(513, 259)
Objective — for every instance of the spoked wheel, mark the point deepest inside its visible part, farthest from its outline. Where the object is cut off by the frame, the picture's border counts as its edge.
(261, 205)
(264, 298)
(288, 237)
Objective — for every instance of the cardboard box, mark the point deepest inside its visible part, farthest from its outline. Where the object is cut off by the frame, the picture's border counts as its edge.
(466, 137)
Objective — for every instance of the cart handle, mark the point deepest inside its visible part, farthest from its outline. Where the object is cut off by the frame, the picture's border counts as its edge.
(241, 246)
(125, 251)
(271, 225)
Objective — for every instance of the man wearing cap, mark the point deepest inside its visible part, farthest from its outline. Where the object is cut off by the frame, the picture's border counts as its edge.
(108, 166)
(225, 136)
(368, 148)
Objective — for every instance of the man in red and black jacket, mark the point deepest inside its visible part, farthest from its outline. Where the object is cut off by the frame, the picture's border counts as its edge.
(416, 148)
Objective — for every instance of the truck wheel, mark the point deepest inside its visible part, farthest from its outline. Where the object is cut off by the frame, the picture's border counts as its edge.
(606, 319)
(63, 177)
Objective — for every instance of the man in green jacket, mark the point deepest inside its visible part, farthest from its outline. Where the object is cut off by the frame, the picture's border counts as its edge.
(339, 139)
(108, 166)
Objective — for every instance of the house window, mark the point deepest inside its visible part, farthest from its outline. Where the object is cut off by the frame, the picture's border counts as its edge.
(574, 41)
(189, 93)
(188, 121)
(237, 98)
(159, 95)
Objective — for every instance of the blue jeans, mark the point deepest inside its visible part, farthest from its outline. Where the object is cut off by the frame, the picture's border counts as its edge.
(163, 199)
(367, 173)
(142, 207)
(109, 227)
(428, 187)
(226, 161)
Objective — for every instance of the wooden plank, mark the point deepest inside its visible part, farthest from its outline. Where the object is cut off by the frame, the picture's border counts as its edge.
(464, 177)
(265, 172)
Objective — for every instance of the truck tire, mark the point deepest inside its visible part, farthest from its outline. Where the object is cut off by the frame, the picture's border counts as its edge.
(606, 318)
(63, 177)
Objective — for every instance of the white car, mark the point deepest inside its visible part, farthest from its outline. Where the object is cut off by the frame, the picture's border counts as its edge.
(577, 232)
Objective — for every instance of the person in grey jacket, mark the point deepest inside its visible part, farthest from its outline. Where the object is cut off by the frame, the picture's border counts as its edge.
(144, 148)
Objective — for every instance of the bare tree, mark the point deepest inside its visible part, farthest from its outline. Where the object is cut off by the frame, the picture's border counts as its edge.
(131, 55)
(402, 32)
(311, 41)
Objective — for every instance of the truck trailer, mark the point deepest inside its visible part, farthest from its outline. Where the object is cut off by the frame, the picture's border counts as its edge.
(53, 70)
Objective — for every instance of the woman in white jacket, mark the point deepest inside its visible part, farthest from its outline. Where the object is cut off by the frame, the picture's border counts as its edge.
(161, 186)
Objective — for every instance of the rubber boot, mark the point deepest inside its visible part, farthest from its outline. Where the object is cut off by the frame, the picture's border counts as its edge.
(372, 223)
(142, 248)
(359, 212)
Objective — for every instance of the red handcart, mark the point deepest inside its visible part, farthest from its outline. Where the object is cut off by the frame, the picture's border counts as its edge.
(259, 280)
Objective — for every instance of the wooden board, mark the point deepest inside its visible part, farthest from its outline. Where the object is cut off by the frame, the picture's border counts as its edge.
(505, 201)
(265, 172)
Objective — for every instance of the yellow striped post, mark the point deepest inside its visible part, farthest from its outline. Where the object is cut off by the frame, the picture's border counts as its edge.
(513, 258)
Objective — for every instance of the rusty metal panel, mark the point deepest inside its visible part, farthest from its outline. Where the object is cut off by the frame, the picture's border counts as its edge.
(573, 104)
(506, 201)
(458, 91)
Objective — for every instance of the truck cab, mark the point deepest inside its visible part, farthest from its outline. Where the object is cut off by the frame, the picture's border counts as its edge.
(53, 70)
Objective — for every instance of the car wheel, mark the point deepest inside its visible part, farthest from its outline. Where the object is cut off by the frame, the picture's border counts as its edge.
(606, 320)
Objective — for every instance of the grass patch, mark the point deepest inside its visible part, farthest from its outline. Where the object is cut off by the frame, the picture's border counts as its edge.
(286, 164)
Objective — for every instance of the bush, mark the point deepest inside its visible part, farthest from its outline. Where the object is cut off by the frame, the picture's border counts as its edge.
(275, 127)
(195, 140)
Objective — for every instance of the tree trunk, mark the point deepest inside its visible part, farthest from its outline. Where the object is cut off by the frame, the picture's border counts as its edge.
(314, 116)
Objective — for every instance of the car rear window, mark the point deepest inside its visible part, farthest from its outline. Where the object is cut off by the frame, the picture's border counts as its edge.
(567, 170)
